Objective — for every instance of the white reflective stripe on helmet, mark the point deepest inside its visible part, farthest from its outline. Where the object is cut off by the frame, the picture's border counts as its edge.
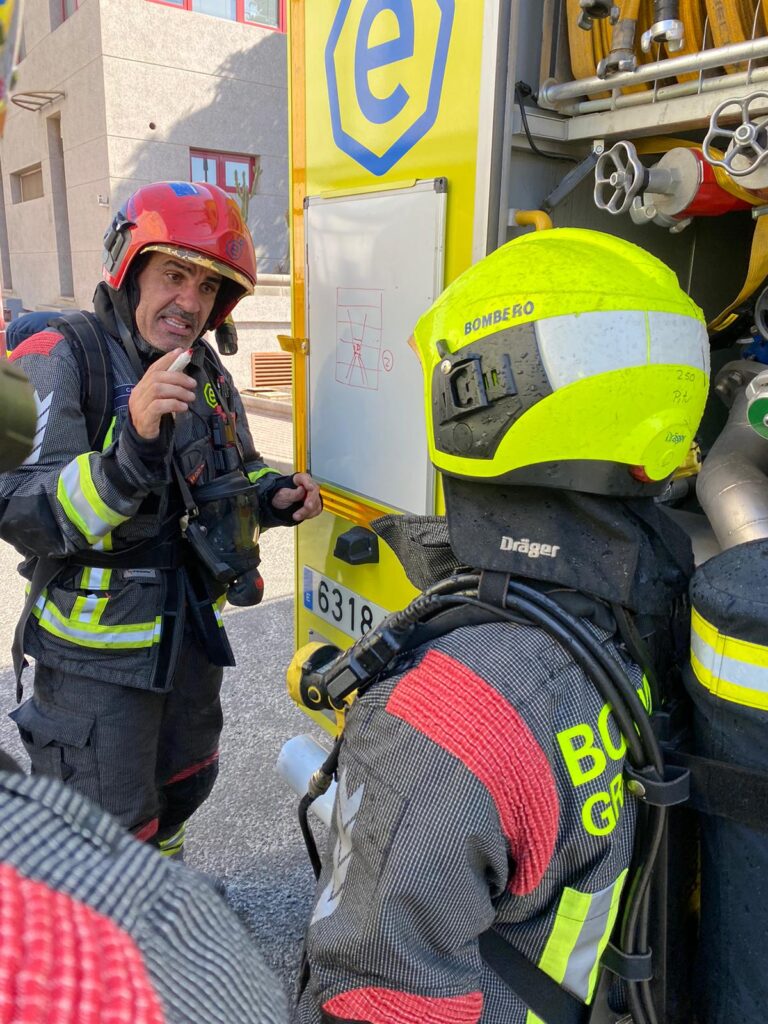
(82, 504)
(85, 634)
(582, 345)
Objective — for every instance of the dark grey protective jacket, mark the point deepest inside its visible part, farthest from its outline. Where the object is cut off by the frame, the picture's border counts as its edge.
(121, 625)
(480, 786)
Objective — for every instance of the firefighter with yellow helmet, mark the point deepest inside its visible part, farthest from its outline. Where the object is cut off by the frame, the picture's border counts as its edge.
(482, 834)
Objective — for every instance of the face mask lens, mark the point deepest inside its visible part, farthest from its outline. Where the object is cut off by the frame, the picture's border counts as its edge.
(229, 516)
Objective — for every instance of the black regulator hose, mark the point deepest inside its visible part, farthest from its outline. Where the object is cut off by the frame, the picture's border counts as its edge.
(319, 783)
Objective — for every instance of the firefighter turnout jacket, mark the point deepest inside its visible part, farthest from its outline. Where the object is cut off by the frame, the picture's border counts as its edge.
(480, 786)
(116, 610)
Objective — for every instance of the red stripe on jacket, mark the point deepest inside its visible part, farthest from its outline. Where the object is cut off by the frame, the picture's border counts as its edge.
(62, 961)
(465, 715)
(41, 344)
(386, 1006)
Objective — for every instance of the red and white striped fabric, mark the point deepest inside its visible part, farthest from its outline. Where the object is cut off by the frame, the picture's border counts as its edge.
(62, 962)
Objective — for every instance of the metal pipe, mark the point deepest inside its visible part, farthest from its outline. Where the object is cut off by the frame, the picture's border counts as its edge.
(667, 92)
(551, 93)
(733, 484)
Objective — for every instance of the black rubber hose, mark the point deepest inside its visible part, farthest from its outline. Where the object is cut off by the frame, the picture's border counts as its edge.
(634, 928)
(638, 650)
(620, 686)
(638, 712)
(306, 831)
(666, 10)
(634, 931)
(327, 768)
(522, 90)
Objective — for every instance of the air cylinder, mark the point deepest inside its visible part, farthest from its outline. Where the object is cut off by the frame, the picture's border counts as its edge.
(728, 682)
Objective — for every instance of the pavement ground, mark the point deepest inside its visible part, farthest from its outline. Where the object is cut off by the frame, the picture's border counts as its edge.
(247, 834)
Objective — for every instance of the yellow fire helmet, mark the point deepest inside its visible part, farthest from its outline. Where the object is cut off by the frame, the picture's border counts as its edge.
(567, 358)
(10, 35)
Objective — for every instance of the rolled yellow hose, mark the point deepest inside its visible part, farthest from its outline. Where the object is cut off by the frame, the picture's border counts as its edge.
(692, 15)
(731, 21)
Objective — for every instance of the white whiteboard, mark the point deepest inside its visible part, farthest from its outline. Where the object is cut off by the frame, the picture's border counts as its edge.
(374, 265)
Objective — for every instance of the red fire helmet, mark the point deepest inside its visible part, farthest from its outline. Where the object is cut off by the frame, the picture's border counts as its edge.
(196, 222)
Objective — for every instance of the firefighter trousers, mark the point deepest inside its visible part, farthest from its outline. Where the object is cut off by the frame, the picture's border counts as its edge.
(149, 758)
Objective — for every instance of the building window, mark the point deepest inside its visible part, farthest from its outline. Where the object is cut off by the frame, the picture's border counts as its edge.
(227, 170)
(266, 13)
(27, 184)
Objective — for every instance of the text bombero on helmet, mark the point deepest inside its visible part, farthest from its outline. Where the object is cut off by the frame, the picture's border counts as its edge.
(499, 316)
(531, 548)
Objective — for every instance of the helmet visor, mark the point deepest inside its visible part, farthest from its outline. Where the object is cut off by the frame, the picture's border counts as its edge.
(202, 260)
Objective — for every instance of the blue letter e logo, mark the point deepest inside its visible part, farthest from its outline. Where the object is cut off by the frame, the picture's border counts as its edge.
(391, 98)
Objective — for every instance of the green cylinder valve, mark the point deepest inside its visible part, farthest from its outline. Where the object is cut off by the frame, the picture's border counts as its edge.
(757, 403)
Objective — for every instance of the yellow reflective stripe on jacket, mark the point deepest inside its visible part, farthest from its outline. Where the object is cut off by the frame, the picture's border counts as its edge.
(218, 604)
(257, 474)
(88, 634)
(82, 504)
(731, 669)
(89, 609)
(583, 925)
(94, 578)
(110, 434)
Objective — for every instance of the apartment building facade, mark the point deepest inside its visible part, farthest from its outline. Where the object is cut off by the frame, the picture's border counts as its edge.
(112, 94)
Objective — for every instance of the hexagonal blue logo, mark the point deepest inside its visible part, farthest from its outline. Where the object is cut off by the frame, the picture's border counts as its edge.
(381, 110)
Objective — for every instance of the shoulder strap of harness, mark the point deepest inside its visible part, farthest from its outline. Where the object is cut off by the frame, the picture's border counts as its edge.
(86, 337)
(541, 994)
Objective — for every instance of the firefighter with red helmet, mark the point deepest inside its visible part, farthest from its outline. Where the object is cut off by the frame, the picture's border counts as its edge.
(138, 512)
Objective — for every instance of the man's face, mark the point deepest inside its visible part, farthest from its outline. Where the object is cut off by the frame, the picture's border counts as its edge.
(175, 301)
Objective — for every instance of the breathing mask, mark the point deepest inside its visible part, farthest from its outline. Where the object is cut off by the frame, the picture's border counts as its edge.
(222, 524)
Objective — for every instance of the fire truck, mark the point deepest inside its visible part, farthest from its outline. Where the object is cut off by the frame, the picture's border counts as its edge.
(425, 134)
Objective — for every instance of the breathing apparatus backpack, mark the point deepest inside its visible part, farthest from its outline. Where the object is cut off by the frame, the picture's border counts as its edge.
(643, 958)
